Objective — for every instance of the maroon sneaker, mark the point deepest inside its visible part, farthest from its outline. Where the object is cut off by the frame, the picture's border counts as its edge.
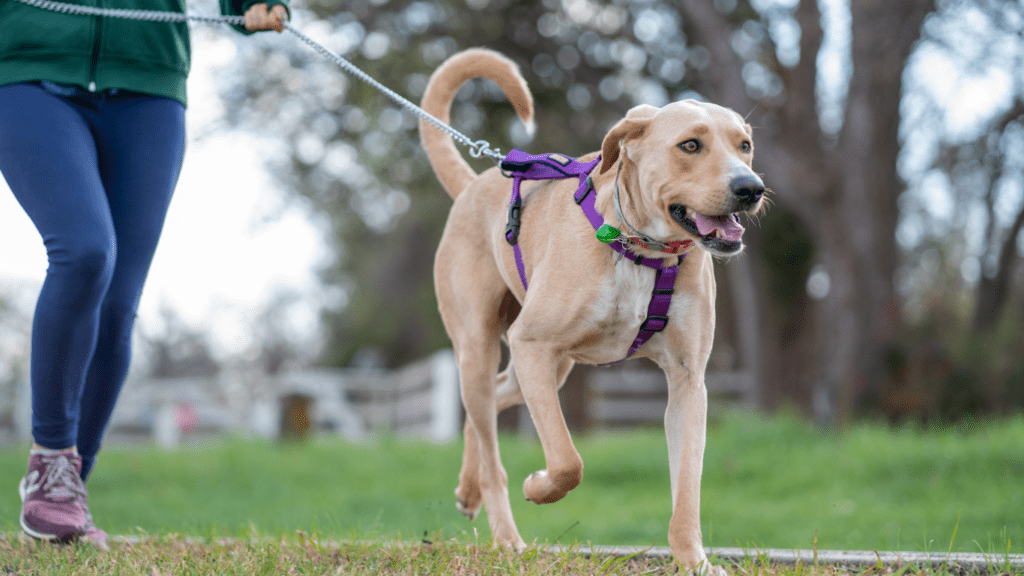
(51, 495)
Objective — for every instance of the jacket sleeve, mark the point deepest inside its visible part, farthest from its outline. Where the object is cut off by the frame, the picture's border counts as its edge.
(238, 8)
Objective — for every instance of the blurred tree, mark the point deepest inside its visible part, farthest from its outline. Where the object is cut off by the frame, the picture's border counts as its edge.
(832, 162)
(964, 208)
(276, 346)
(15, 338)
(175, 350)
(980, 170)
(981, 164)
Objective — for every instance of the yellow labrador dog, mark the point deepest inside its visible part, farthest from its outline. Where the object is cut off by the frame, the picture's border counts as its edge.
(672, 180)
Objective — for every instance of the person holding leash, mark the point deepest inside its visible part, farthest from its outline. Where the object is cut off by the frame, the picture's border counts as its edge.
(92, 137)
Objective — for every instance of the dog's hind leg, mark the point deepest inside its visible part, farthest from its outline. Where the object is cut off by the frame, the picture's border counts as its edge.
(508, 393)
(476, 336)
(468, 498)
(468, 494)
(478, 396)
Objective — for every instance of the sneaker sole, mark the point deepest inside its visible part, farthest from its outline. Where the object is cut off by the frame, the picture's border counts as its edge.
(35, 534)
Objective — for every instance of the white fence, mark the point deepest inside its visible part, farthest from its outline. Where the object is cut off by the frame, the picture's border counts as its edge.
(419, 400)
(628, 397)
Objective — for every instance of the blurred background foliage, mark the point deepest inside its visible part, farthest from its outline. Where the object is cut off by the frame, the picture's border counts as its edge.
(886, 276)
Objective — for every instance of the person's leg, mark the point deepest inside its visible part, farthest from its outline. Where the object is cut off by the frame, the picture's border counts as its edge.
(141, 143)
(48, 158)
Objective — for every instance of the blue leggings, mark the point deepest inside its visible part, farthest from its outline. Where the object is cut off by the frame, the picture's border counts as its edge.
(95, 173)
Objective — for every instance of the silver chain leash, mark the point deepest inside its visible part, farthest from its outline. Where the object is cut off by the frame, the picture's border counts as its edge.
(150, 15)
(477, 149)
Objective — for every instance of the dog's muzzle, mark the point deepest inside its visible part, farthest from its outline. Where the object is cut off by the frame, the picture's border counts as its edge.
(722, 234)
(747, 192)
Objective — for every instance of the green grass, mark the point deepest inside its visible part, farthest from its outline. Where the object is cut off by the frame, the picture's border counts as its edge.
(174, 555)
(301, 554)
(768, 483)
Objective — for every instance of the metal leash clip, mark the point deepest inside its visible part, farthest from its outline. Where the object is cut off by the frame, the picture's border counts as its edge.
(482, 148)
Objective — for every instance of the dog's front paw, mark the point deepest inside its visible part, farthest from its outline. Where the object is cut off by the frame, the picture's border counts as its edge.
(538, 489)
(542, 488)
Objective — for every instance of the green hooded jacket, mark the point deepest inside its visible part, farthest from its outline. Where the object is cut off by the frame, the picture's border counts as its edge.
(99, 53)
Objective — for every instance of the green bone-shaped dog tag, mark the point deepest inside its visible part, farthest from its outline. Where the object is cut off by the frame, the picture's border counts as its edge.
(607, 234)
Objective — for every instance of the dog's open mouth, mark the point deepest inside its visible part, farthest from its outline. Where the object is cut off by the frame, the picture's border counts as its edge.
(719, 234)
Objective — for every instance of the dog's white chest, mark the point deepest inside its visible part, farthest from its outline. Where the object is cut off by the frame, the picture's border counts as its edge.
(630, 293)
(617, 312)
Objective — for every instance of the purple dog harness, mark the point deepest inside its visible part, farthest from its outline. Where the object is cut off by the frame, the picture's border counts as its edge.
(520, 166)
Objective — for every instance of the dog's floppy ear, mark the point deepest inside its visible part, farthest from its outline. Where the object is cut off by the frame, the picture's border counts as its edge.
(632, 126)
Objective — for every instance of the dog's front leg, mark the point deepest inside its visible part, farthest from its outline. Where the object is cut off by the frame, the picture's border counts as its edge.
(540, 375)
(685, 426)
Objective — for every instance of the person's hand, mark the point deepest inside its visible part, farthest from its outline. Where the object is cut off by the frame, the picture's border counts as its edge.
(258, 18)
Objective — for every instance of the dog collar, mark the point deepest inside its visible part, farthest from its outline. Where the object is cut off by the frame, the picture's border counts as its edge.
(636, 237)
(520, 166)
(586, 198)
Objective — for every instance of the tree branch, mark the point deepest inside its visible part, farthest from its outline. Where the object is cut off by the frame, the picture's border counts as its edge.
(709, 28)
(795, 160)
(801, 80)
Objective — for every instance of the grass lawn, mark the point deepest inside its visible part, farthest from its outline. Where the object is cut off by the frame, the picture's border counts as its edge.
(769, 483)
(301, 555)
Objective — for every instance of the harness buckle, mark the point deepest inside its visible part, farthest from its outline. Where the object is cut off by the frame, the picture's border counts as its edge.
(647, 323)
(515, 211)
(586, 193)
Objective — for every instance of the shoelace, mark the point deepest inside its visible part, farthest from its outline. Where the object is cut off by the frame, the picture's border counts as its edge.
(61, 480)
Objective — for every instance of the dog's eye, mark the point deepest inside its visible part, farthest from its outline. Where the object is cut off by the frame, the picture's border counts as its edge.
(691, 146)
(745, 147)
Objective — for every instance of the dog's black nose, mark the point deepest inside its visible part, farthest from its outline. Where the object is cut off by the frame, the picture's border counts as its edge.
(747, 189)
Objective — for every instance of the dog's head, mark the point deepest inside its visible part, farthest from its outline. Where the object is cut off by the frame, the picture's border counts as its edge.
(688, 166)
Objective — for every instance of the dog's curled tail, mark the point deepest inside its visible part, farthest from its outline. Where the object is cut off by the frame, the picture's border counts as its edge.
(451, 168)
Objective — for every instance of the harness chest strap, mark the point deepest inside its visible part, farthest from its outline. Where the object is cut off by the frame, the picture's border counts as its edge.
(520, 166)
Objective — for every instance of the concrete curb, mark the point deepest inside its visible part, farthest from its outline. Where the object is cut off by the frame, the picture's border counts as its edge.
(974, 562)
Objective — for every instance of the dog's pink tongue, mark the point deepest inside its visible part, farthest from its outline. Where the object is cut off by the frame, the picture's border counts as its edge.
(729, 226)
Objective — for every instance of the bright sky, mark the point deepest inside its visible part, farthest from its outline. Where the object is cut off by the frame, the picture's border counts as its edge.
(231, 242)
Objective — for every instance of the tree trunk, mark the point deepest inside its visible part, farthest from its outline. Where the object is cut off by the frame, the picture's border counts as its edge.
(844, 190)
(861, 318)
(992, 291)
